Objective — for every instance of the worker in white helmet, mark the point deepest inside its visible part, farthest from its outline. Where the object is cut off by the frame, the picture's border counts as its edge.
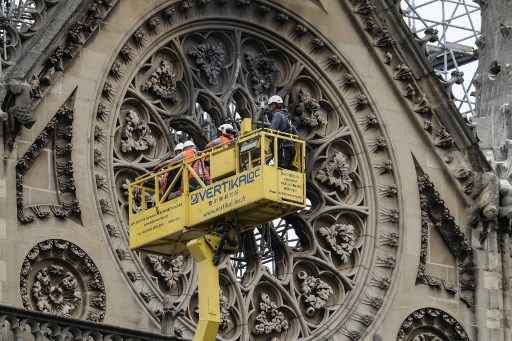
(225, 135)
(166, 179)
(188, 153)
(177, 150)
(280, 121)
(199, 166)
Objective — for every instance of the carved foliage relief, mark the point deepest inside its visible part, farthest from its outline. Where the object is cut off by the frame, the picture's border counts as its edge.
(55, 137)
(34, 14)
(430, 324)
(436, 215)
(304, 268)
(58, 277)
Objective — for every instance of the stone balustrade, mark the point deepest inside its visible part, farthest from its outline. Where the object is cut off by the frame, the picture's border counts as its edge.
(20, 325)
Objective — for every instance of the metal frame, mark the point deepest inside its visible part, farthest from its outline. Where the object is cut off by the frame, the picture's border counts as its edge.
(17, 15)
(458, 25)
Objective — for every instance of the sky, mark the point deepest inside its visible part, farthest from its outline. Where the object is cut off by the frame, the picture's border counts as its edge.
(458, 25)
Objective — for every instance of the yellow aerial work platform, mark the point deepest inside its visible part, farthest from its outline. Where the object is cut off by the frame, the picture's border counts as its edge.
(176, 209)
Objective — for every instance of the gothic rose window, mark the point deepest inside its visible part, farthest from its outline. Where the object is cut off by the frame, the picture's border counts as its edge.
(188, 87)
(294, 277)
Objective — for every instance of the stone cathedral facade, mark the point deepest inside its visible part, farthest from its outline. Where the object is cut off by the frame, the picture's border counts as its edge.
(406, 234)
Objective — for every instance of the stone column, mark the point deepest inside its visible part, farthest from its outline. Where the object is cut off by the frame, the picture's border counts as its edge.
(494, 128)
(506, 276)
(6, 162)
(494, 81)
(487, 258)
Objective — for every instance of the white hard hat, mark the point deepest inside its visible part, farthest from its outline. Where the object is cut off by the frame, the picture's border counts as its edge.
(178, 147)
(275, 99)
(226, 128)
(189, 143)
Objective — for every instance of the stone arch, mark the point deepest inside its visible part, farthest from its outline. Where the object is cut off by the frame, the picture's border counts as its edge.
(353, 216)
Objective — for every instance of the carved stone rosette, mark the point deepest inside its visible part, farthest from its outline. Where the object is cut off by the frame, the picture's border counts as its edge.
(433, 325)
(58, 277)
(190, 68)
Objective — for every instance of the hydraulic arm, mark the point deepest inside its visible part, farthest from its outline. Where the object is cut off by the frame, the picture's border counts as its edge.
(202, 250)
(175, 210)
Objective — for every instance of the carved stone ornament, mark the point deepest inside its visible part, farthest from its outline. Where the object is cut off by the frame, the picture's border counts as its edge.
(15, 36)
(293, 278)
(58, 277)
(263, 73)
(23, 93)
(168, 270)
(161, 83)
(16, 98)
(316, 292)
(335, 173)
(58, 133)
(484, 209)
(135, 135)
(269, 319)
(341, 239)
(433, 325)
(435, 215)
(210, 59)
(443, 139)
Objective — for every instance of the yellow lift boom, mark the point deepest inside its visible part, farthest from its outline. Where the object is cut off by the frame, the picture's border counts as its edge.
(174, 210)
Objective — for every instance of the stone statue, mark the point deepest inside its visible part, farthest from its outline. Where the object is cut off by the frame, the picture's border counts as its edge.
(21, 110)
(505, 209)
(505, 191)
(484, 210)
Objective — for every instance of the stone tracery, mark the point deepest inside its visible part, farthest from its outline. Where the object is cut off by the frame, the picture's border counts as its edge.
(162, 82)
(198, 68)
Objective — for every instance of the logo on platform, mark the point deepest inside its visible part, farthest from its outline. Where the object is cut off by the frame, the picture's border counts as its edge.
(225, 186)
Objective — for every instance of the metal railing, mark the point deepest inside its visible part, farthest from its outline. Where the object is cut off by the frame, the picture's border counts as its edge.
(147, 191)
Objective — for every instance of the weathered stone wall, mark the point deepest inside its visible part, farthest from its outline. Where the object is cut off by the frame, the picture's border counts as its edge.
(385, 114)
